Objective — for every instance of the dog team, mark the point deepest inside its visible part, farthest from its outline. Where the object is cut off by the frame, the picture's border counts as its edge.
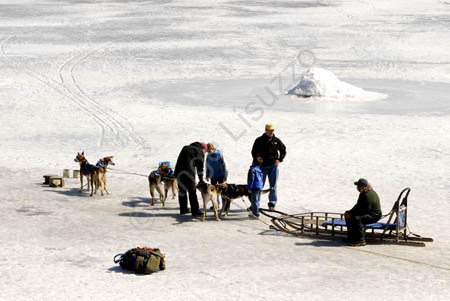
(267, 152)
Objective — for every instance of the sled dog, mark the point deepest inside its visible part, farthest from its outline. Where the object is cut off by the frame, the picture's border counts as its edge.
(100, 175)
(86, 169)
(230, 192)
(154, 182)
(169, 180)
(209, 193)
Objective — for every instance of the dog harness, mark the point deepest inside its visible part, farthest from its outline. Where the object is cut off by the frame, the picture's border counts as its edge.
(155, 174)
(87, 167)
(99, 164)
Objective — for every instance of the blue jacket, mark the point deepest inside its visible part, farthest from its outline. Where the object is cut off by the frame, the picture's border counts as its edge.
(215, 165)
(255, 178)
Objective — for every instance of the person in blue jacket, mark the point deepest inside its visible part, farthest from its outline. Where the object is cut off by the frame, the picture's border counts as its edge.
(216, 170)
(254, 186)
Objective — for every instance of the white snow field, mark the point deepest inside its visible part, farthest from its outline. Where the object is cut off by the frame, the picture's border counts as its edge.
(141, 79)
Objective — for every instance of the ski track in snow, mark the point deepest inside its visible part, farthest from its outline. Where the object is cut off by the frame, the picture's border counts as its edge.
(113, 130)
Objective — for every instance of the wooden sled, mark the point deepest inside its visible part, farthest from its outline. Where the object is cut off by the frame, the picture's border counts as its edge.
(331, 225)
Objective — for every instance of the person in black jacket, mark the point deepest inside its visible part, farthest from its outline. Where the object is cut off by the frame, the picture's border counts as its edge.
(272, 151)
(191, 158)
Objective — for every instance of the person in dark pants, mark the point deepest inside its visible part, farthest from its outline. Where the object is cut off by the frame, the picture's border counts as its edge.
(366, 211)
(272, 151)
(190, 159)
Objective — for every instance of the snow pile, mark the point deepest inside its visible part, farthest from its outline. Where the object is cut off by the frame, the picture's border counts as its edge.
(318, 82)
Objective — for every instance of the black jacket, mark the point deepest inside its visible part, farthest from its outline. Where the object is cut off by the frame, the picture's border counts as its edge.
(190, 158)
(269, 149)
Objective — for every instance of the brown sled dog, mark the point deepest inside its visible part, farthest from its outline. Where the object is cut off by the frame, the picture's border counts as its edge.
(100, 175)
(162, 175)
(154, 181)
(209, 193)
(86, 169)
(230, 192)
(169, 180)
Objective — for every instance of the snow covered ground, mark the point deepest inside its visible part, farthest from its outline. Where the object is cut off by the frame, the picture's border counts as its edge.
(140, 79)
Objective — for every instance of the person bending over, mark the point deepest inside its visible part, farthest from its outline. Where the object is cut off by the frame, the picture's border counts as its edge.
(190, 159)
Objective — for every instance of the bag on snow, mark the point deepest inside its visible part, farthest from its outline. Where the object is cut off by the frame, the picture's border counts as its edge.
(142, 260)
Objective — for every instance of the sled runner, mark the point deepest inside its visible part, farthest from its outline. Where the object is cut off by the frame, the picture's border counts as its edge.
(328, 225)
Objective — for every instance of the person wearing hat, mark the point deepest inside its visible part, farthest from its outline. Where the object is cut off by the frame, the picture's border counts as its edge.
(272, 151)
(366, 211)
(190, 159)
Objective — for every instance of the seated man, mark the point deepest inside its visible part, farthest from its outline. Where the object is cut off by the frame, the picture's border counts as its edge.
(366, 211)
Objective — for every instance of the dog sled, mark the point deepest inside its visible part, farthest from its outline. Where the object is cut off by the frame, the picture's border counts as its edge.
(329, 225)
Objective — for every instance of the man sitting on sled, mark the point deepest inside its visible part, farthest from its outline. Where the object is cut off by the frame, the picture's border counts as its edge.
(366, 211)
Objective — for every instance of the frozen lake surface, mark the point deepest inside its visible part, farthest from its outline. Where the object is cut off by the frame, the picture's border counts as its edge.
(141, 79)
(404, 97)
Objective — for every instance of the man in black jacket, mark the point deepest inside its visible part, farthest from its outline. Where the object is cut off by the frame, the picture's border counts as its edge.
(191, 157)
(272, 151)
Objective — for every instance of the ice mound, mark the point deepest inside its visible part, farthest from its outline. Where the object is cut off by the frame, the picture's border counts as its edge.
(321, 83)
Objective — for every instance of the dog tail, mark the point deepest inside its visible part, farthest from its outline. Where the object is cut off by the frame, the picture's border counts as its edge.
(266, 190)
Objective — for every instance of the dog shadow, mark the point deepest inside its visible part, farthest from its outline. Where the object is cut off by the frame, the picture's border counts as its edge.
(138, 202)
(143, 202)
(179, 218)
(233, 218)
(71, 192)
(136, 214)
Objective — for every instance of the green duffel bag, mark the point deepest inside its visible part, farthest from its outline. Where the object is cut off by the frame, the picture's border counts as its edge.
(142, 260)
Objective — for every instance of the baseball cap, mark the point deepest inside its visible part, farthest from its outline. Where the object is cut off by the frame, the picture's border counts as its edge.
(362, 183)
(270, 127)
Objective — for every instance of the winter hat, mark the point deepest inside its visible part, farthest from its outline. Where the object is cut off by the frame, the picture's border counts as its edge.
(362, 183)
(204, 145)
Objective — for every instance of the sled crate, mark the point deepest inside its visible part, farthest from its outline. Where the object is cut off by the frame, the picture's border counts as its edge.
(47, 179)
(53, 182)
